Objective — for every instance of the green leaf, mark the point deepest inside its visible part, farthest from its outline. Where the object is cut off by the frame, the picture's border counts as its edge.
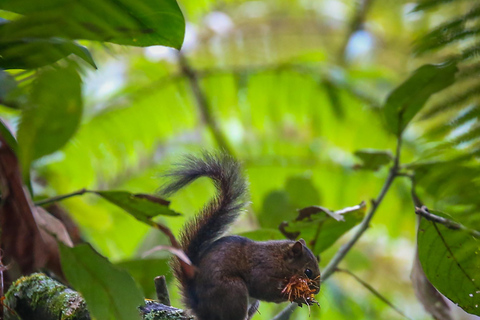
(451, 261)
(35, 53)
(7, 85)
(142, 206)
(319, 229)
(109, 291)
(52, 114)
(406, 100)
(301, 191)
(373, 159)
(128, 22)
(144, 271)
(9, 138)
(263, 234)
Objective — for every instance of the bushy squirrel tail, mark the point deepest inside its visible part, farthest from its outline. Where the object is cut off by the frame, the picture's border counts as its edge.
(220, 212)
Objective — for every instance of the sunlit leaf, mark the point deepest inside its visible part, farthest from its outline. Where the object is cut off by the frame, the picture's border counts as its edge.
(142, 206)
(373, 159)
(319, 229)
(263, 235)
(407, 100)
(110, 292)
(451, 261)
(52, 114)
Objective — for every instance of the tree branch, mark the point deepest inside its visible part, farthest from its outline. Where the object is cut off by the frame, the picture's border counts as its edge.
(423, 212)
(364, 225)
(203, 104)
(42, 298)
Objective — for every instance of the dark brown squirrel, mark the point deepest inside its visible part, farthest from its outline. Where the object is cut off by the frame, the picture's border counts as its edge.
(232, 273)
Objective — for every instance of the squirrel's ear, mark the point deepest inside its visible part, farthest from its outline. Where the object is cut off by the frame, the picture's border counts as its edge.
(297, 248)
(302, 242)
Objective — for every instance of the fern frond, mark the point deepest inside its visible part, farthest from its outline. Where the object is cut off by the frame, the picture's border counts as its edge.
(429, 4)
(442, 41)
(453, 103)
(466, 115)
(448, 31)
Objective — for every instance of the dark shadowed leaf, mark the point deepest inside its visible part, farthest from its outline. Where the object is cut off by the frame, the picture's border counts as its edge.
(127, 22)
(276, 208)
(8, 136)
(142, 207)
(52, 114)
(451, 261)
(110, 292)
(35, 53)
(319, 229)
(281, 205)
(373, 159)
(301, 191)
(405, 101)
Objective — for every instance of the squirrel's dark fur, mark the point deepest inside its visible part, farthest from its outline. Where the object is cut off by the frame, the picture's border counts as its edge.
(232, 273)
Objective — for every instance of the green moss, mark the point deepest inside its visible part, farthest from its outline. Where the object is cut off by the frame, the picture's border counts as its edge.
(47, 296)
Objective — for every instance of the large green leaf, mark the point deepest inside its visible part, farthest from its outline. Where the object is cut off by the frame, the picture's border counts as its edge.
(109, 291)
(407, 100)
(451, 261)
(34, 53)
(142, 206)
(373, 159)
(281, 205)
(51, 115)
(319, 227)
(127, 22)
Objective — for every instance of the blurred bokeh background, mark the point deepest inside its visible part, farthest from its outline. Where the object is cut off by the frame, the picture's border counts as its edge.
(292, 88)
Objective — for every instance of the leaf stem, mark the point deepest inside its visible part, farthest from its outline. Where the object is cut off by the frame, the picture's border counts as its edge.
(364, 225)
(373, 291)
(423, 211)
(62, 197)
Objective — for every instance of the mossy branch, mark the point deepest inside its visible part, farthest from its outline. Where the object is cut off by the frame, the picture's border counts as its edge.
(40, 297)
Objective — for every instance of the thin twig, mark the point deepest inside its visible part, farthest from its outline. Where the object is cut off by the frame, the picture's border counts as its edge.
(62, 197)
(286, 312)
(423, 211)
(203, 103)
(332, 265)
(162, 290)
(374, 291)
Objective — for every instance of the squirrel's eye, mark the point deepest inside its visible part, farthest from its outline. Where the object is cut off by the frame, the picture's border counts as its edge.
(308, 273)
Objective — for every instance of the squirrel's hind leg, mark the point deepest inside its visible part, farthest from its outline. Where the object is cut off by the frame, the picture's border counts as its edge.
(226, 300)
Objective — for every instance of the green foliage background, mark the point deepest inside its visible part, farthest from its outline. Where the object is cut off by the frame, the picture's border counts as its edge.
(294, 98)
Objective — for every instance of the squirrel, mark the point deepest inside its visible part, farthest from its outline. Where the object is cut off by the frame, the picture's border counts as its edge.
(232, 273)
